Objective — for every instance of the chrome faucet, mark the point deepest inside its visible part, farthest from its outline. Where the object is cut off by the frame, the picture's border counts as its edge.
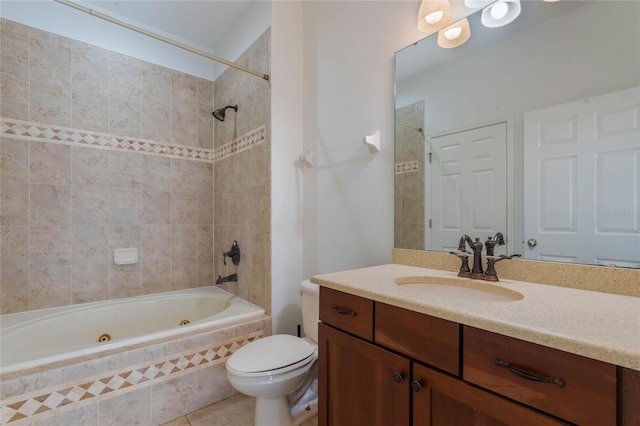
(476, 247)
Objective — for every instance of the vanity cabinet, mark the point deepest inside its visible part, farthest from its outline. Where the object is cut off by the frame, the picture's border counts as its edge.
(384, 365)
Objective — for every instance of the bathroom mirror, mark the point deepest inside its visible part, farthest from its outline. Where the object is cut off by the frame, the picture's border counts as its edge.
(548, 109)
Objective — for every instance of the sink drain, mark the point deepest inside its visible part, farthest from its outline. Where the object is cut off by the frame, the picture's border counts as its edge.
(104, 337)
(184, 322)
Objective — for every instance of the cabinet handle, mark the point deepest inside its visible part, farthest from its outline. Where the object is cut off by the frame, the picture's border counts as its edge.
(398, 377)
(343, 311)
(416, 386)
(530, 376)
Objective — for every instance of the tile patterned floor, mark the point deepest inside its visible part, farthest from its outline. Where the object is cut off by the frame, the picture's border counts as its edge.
(235, 411)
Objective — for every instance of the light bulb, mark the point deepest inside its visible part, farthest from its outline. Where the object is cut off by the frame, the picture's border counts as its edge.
(453, 33)
(499, 10)
(434, 17)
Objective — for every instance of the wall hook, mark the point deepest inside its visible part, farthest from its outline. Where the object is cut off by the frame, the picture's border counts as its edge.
(233, 253)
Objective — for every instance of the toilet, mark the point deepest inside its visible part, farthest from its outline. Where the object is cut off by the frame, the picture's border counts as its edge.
(279, 370)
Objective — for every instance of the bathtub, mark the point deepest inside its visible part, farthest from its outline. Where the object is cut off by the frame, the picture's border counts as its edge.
(36, 338)
(150, 371)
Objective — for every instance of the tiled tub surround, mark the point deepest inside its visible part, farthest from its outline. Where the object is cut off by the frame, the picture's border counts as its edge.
(74, 189)
(409, 177)
(142, 384)
(242, 201)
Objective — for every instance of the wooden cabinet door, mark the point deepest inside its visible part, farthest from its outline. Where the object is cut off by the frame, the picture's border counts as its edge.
(446, 401)
(358, 382)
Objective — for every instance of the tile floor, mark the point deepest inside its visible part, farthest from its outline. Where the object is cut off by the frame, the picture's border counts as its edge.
(234, 411)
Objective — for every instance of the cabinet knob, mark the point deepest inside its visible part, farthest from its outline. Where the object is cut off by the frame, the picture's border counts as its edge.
(416, 386)
(398, 377)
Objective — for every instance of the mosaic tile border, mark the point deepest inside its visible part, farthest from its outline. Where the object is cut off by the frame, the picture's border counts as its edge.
(41, 403)
(32, 131)
(407, 167)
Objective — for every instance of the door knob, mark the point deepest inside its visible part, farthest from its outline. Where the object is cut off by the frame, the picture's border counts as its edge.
(416, 386)
(532, 242)
(397, 377)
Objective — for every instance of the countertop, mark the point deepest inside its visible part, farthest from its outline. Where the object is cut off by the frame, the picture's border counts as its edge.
(597, 325)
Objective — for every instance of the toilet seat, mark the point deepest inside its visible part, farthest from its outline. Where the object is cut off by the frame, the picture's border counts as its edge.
(271, 355)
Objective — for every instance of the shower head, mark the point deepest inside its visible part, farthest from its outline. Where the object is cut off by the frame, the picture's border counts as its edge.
(220, 112)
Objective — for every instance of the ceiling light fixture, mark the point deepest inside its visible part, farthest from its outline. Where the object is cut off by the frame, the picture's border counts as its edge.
(476, 4)
(500, 13)
(454, 35)
(433, 15)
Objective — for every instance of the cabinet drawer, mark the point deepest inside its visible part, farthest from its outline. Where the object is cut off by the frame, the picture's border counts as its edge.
(431, 340)
(347, 312)
(588, 394)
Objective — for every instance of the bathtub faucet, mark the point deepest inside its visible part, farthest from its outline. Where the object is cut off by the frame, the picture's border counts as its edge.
(228, 278)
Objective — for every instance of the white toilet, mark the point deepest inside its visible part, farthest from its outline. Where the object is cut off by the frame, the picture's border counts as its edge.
(275, 367)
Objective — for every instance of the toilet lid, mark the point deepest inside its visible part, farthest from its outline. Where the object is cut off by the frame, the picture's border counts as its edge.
(270, 353)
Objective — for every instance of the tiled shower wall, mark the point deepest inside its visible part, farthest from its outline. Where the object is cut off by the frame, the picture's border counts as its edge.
(243, 181)
(66, 205)
(409, 177)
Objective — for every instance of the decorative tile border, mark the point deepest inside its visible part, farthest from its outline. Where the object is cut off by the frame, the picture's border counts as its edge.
(33, 131)
(407, 167)
(34, 405)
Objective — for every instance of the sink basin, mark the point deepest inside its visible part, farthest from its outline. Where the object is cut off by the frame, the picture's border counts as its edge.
(459, 288)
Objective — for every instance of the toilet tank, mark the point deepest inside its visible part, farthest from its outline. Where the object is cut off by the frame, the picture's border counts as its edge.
(310, 309)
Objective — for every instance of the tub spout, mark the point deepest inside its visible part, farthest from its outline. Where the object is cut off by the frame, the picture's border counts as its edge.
(228, 278)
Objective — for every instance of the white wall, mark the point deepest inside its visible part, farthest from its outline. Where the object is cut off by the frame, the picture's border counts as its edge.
(349, 49)
(286, 172)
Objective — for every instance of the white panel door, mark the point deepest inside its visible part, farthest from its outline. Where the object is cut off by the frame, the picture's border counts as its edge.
(468, 186)
(582, 181)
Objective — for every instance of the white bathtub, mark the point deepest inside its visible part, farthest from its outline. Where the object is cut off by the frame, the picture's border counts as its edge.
(36, 338)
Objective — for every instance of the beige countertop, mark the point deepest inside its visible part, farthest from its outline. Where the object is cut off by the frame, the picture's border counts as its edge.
(593, 324)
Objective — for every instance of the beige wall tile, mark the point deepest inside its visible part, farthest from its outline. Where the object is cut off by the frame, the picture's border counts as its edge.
(89, 283)
(14, 247)
(50, 103)
(156, 88)
(89, 205)
(156, 242)
(124, 236)
(156, 174)
(124, 170)
(49, 163)
(184, 208)
(87, 415)
(184, 240)
(49, 287)
(212, 385)
(51, 246)
(14, 58)
(173, 398)
(155, 207)
(184, 273)
(90, 167)
(15, 97)
(50, 205)
(125, 78)
(14, 291)
(90, 70)
(127, 409)
(155, 123)
(89, 111)
(156, 276)
(124, 117)
(125, 280)
(184, 128)
(14, 160)
(91, 245)
(49, 63)
(124, 207)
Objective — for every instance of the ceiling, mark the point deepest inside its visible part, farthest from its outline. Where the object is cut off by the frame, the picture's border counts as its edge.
(200, 22)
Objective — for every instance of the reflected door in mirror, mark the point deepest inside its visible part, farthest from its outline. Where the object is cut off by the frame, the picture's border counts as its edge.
(582, 171)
